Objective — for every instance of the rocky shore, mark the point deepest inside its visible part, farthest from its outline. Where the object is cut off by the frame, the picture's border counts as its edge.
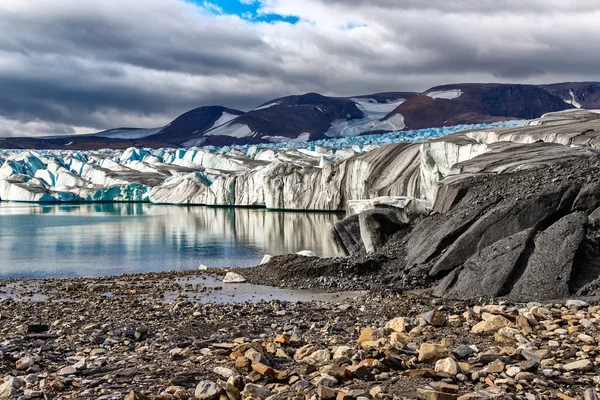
(151, 336)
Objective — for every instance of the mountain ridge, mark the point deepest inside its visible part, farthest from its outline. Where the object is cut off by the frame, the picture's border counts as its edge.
(313, 116)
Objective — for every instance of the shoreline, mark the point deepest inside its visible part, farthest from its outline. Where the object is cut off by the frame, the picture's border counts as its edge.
(80, 344)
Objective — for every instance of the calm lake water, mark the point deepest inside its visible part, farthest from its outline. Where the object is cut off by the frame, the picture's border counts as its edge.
(42, 241)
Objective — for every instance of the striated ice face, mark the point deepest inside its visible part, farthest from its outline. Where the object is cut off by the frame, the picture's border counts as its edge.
(294, 174)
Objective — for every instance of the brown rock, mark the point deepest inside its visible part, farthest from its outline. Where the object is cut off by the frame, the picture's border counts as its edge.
(431, 352)
(365, 335)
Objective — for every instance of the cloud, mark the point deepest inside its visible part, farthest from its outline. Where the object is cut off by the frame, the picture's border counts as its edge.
(68, 64)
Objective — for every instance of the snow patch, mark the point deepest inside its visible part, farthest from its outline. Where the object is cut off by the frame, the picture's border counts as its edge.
(231, 129)
(267, 106)
(572, 100)
(225, 118)
(445, 94)
(370, 105)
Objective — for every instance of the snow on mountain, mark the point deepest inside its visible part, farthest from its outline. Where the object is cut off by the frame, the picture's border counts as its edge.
(372, 106)
(266, 106)
(225, 118)
(232, 129)
(445, 94)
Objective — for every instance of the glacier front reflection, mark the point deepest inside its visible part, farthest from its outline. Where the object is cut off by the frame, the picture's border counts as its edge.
(101, 239)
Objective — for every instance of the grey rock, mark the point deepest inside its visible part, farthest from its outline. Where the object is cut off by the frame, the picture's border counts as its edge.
(256, 391)
(588, 198)
(207, 390)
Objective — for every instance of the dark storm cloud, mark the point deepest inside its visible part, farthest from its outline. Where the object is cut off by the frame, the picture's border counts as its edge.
(82, 63)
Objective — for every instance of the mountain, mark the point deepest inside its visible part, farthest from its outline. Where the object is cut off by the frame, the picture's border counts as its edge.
(313, 116)
(476, 103)
(310, 116)
(579, 94)
(194, 123)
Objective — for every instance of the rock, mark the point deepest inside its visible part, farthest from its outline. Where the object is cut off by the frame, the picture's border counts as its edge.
(434, 318)
(207, 390)
(492, 393)
(224, 372)
(133, 395)
(365, 335)
(397, 325)
(341, 351)
(266, 258)
(24, 363)
(581, 365)
(202, 267)
(258, 391)
(8, 390)
(463, 351)
(588, 198)
(429, 394)
(446, 365)
(493, 324)
(321, 356)
(577, 303)
(430, 352)
(399, 340)
(590, 394)
(232, 277)
(65, 371)
(549, 268)
(326, 393)
(496, 367)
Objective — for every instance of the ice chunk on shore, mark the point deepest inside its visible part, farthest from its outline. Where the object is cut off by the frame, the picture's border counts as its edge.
(232, 277)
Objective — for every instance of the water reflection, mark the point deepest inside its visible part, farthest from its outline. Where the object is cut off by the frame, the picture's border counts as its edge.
(112, 238)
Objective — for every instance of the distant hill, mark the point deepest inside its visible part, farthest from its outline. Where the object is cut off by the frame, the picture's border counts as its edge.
(476, 103)
(579, 94)
(313, 116)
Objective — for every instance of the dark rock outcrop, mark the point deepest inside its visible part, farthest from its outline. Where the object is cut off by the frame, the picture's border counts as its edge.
(549, 268)
(487, 273)
(502, 221)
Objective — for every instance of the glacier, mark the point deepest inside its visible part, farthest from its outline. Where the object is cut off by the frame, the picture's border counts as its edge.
(320, 175)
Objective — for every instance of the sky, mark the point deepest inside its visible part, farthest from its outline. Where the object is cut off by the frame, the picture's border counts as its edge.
(75, 66)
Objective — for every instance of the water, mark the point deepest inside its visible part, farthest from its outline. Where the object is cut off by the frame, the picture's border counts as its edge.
(47, 241)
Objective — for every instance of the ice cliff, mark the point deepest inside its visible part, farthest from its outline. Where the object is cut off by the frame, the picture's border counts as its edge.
(322, 175)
